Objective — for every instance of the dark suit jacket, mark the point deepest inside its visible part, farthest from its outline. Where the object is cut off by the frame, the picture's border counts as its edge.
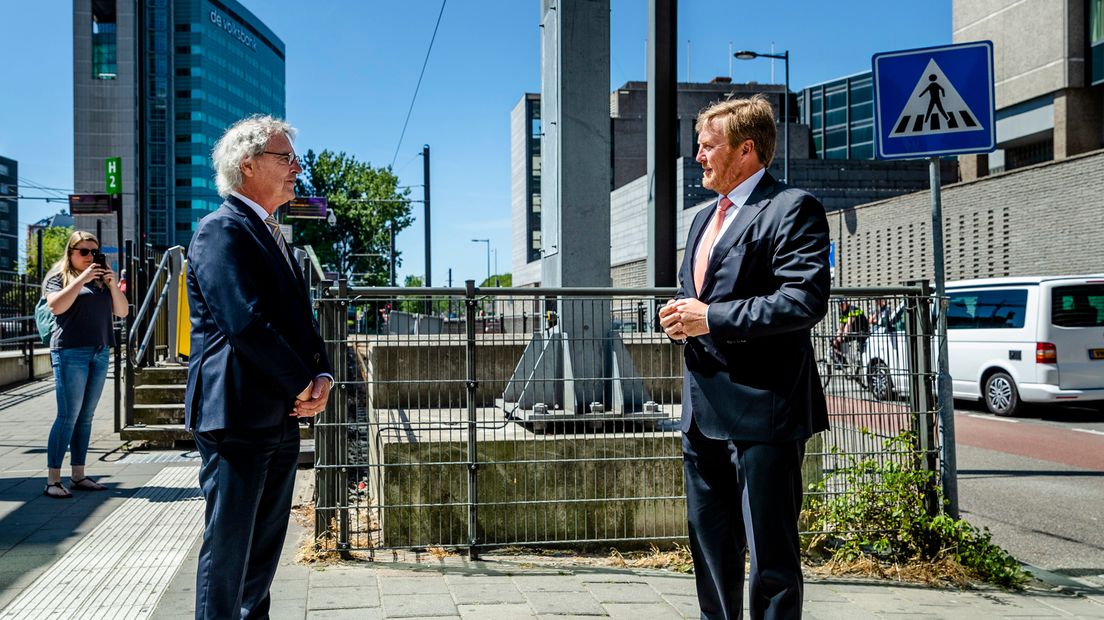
(255, 344)
(753, 376)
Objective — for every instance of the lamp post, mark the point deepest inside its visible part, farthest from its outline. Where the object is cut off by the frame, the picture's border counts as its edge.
(785, 57)
(488, 242)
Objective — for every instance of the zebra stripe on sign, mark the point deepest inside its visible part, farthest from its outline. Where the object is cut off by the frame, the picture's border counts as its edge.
(916, 125)
(934, 107)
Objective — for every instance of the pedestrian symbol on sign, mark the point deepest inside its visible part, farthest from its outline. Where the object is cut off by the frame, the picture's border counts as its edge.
(935, 107)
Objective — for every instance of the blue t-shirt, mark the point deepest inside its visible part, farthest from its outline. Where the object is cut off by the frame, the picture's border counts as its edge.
(87, 323)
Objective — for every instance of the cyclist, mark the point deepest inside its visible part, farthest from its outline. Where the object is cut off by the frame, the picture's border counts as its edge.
(854, 327)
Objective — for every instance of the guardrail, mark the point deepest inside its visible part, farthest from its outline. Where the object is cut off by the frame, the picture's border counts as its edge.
(473, 418)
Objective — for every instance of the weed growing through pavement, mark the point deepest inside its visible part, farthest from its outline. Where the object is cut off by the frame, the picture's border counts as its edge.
(882, 527)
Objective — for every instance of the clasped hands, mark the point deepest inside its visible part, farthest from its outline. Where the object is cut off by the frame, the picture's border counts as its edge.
(682, 318)
(312, 400)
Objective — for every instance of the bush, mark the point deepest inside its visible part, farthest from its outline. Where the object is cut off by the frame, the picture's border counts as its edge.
(884, 517)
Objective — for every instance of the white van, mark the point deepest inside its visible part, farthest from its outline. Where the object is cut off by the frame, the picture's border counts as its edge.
(1011, 341)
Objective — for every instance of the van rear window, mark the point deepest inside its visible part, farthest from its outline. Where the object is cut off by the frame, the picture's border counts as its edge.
(987, 309)
(1077, 306)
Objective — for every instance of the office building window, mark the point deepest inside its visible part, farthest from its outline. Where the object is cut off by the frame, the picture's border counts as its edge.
(1096, 38)
(1028, 154)
(104, 61)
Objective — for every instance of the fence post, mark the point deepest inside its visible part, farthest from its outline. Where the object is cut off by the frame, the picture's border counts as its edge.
(919, 336)
(151, 270)
(133, 286)
(339, 363)
(324, 428)
(472, 386)
(30, 327)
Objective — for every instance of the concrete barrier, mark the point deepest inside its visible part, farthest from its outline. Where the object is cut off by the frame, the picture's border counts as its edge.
(13, 366)
(427, 371)
(622, 485)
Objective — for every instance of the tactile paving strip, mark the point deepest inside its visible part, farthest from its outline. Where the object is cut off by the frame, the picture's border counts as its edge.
(122, 567)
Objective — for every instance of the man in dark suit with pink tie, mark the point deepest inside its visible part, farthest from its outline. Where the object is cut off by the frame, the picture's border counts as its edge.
(257, 366)
(753, 283)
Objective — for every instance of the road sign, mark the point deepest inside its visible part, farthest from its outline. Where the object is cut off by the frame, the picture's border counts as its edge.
(92, 204)
(113, 171)
(934, 101)
(308, 207)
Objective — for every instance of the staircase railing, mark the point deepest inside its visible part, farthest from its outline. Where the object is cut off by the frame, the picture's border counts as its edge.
(153, 326)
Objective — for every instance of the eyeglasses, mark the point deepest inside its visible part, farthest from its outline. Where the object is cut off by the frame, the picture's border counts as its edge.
(85, 251)
(289, 158)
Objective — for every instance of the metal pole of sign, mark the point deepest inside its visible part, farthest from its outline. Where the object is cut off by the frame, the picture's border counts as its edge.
(117, 205)
(946, 401)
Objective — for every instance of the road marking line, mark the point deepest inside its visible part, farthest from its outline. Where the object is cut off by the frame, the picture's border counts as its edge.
(991, 418)
(122, 567)
(1088, 430)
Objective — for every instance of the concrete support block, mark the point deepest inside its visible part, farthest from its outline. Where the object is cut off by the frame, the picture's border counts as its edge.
(973, 166)
(1078, 121)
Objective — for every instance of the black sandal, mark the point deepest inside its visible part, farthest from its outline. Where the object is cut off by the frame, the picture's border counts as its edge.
(65, 492)
(80, 484)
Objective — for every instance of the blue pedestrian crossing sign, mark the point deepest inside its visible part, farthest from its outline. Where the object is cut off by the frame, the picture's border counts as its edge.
(934, 101)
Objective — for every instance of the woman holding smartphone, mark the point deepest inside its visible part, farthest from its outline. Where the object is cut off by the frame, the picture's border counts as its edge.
(82, 293)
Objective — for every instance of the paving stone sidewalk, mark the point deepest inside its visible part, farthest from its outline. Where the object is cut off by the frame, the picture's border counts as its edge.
(36, 533)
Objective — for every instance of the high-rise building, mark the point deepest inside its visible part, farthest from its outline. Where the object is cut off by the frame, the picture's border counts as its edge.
(9, 214)
(857, 179)
(840, 114)
(1048, 69)
(156, 83)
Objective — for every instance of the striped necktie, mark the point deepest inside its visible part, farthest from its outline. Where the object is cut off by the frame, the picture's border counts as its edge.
(278, 235)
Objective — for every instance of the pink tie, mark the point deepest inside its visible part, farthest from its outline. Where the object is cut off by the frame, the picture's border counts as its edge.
(706, 245)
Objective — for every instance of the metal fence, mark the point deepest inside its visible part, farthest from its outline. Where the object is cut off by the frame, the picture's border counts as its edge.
(469, 418)
(18, 334)
(18, 294)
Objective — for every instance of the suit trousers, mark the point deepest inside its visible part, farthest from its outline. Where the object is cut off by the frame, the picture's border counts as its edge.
(744, 496)
(247, 477)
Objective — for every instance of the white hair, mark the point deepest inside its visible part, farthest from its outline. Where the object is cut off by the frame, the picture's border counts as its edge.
(244, 140)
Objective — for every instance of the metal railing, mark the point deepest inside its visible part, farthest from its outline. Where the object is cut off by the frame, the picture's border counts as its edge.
(151, 334)
(18, 295)
(473, 418)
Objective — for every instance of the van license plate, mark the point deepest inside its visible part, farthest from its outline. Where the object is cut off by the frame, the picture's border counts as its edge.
(1096, 354)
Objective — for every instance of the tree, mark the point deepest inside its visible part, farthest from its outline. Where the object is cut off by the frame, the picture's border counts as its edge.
(367, 203)
(418, 305)
(54, 239)
(501, 279)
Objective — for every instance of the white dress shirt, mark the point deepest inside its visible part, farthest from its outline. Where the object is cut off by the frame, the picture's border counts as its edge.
(738, 196)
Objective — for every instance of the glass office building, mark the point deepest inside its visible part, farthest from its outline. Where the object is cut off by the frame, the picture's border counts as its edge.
(1096, 40)
(841, 115)
(156, 83)
(9, 214)
(227, 65)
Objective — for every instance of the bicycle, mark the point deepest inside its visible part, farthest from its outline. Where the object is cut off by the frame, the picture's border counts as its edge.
(841, 361)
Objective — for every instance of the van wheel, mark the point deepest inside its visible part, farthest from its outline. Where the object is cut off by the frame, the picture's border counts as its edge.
(1001, 396)
(880, 382)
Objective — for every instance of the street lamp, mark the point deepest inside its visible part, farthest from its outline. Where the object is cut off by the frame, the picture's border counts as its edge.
(785, 57)
(488, 242)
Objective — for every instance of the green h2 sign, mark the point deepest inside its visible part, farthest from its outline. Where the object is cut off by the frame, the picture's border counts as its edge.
(113, 169)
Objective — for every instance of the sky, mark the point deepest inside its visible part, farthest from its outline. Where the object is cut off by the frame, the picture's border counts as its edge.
(353, 65)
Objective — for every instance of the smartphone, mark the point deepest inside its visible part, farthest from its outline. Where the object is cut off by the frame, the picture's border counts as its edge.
(100, 259)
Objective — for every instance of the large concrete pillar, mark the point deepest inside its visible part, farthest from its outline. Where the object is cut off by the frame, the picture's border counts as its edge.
(971, 167)
(578, 366)
(1078, 116)
(662, 155)
(575, 148)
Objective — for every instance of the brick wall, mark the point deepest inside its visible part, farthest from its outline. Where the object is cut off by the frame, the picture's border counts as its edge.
(1046, 219)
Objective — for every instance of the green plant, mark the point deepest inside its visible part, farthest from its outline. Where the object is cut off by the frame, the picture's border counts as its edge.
(884, 516)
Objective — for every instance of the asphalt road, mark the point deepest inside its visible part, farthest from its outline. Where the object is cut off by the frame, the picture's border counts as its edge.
(1037, 483)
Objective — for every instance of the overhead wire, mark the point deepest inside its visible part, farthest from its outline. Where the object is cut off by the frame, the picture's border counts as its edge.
(416, 88)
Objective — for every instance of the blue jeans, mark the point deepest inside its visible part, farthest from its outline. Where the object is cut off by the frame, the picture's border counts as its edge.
(79, 375)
